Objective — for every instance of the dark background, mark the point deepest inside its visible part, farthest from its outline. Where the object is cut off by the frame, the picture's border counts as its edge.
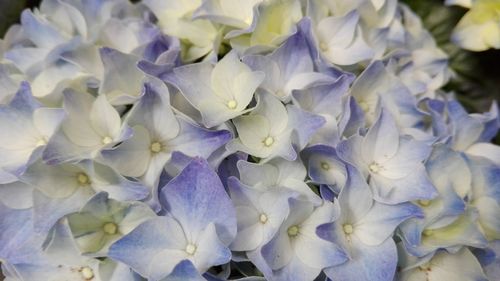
(477, 80)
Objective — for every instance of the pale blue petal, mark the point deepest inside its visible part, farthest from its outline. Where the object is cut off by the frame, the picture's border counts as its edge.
(304, 124)
(122, 81)
(414, 186)
(464, 130)
(24, 101)
(325, 98)
(492, 269)
(311, 249)
(381, 221)
(355, 198)
(162, 49)
(196, 141)
(356, 119)
(118, 187)
(39, 31)
(142, 248)
(197, 197)
(382, 140)
(18, 134)
(16, 195)
(280, 67)
(349, 150)
(325, 167)
(47, 211)
(374, 263)
(491, 122)
(296, 270)
(26, 58)
(210, 250)
(194, 92)
(18, 242)
(184, 271)
(250, 204)
(154, 112)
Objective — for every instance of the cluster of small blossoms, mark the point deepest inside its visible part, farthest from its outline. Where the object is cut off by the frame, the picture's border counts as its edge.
(239, 140)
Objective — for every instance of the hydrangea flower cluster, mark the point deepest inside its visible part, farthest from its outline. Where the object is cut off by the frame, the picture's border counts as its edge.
(239, 140)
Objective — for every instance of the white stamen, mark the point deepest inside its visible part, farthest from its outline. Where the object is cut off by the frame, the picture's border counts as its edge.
(87, 273)
(268, 141)
(232, 104)
(107, 140)
(364, 106)
(82, 179)
(323, 46)
(41, 142)
(110, 228)
(348, 229)
(263, 218)
(156, 147)
(325, 166)
(293, 231)
(424, 203)
(374, 167)
(190, 249)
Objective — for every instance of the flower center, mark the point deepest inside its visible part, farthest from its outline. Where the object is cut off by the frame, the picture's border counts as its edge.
(425, 267)
(348, 229)
(232, 104)
(83, 179)
(155, 147)
(87, 273)
(293, 231)
(263, 218)
(107, 140)
(41, 142)
(280, 93)
(323, 46)
(428, 232)
(190, 249)
(110, 228)
(374, 167)
(325, 166)
(364, 106)
(424, 203)
(268, 141)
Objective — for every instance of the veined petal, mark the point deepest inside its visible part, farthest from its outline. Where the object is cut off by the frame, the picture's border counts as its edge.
(367, 262)
(184, 270)
(132, 157)
(157, 246)
(104, 118)
(355, 198)
(381, 221)
(47, 120)
(40, 31)
(153, 111)
(122, 81)
(210, 250)
(382, 140)
(273, 110)
(460, 266)
(196, 141)
(314, 251)
(196, 197)
(414, 186)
